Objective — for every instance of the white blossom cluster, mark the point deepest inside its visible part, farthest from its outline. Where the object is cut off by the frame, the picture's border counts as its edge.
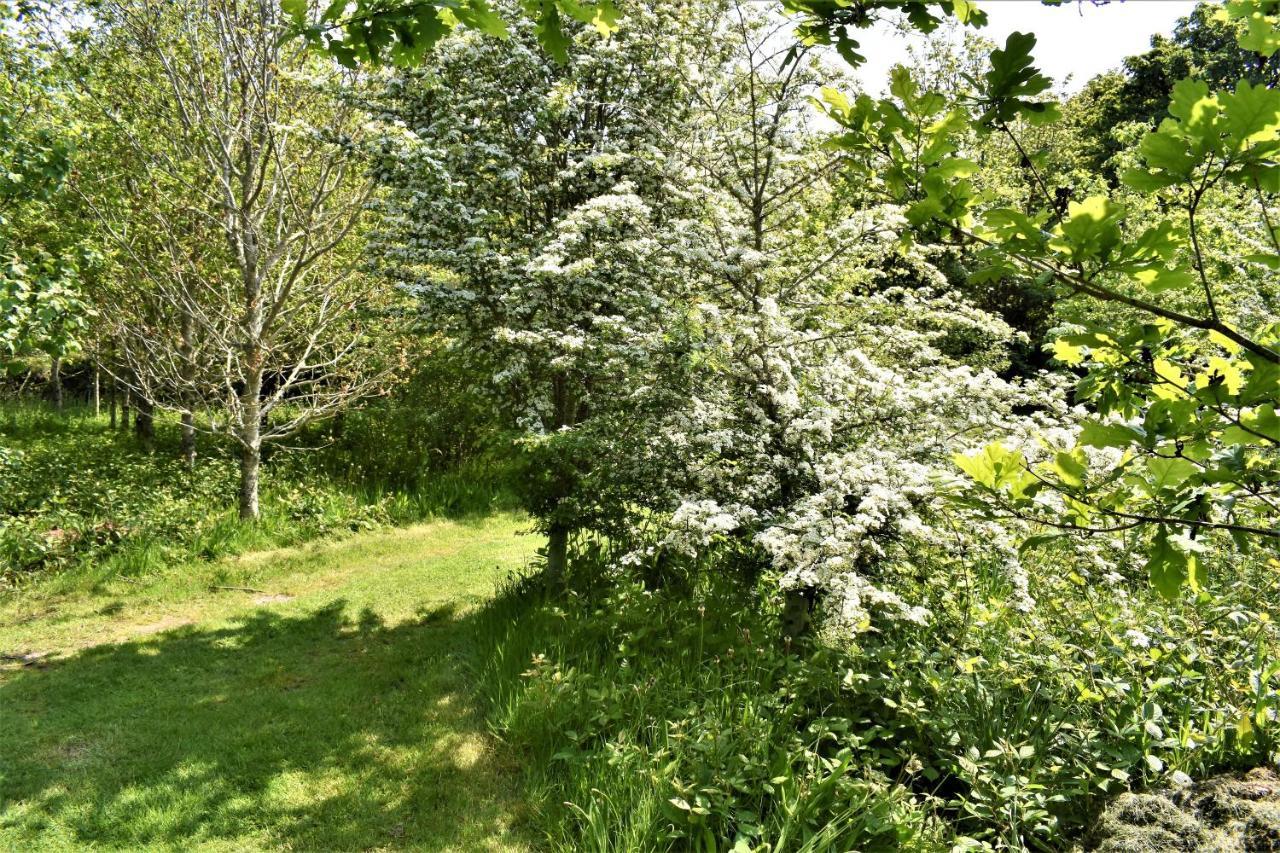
(723, 362)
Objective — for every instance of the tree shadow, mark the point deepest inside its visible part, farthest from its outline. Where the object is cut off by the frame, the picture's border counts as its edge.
(317, 731)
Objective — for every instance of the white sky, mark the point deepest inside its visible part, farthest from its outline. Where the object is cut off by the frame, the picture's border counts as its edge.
(1076, 39)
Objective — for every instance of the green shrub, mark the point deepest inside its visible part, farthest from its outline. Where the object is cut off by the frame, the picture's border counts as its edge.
(679, 718)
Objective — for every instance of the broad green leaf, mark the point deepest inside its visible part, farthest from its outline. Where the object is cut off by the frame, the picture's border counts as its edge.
(1166, 565)
(1192, 104)
(1032, 542)
(1169, 472)
(1095, 434)
(296, 10)
(1260, 426)
(1160, 279)
(1070, 467)
(1091, 230)
(1222, 373)
(1250, 113)
(1067, 352)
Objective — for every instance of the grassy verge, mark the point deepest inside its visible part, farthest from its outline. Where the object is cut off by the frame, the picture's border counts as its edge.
(81, 503)
(328, 708)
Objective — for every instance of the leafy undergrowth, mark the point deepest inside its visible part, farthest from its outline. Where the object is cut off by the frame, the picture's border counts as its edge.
(329, 709)
(80, 502)
(680, 718)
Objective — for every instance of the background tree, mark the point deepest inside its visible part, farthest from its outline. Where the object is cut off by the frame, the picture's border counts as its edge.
(243, 216)
(1204, 45)
(40, 306)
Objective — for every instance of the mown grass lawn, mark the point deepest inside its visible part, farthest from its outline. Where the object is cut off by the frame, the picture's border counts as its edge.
(326, 709)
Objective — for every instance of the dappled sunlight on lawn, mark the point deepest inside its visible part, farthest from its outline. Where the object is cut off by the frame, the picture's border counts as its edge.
(323, 730)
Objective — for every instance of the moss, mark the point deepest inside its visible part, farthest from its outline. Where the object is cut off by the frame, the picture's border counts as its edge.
(1225, 813)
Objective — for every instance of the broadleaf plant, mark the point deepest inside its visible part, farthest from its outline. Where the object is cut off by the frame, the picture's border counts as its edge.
(1180, 374)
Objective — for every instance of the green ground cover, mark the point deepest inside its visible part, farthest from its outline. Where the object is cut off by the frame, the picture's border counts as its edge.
(326, 704)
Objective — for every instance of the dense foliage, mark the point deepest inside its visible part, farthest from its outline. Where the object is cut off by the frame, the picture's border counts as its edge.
(907, 464)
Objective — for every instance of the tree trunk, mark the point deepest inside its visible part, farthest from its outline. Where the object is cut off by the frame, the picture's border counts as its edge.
(797, 612)
(124, 408)
(557, 552)
(250, 437)
(251, 443)
(55, 378)
(112, 390)
(250, 461)
(144, 423)
(187, 349)
(97, 390)
(189, 439)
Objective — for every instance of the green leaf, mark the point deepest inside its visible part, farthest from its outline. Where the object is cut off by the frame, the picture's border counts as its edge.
(1011, 82)
(478, 15)
(1166, 150)
(1160, 279)
(994, 466)
(1166, 565)
(1070, 467)
(1251, 114)
(1091, 229)
(296, 10)
(1095, 434)
(550, 31)
(1260, 426)
(1192, 104)
(1267, 259)
(1067, 352)
(1037, 541)
(1169, 472)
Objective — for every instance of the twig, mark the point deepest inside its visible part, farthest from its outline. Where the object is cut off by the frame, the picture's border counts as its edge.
(242, 589)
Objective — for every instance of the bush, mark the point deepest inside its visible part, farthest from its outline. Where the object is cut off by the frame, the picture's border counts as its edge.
(680, 718)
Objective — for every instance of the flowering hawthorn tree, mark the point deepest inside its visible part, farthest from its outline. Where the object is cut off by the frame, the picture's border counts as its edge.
(827, 402)
(530, 209)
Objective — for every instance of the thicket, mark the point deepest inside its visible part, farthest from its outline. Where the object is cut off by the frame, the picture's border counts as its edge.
(85, 501)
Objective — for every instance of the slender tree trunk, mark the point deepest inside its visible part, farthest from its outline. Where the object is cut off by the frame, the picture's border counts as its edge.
(189, 439)
(97, 390)
(188, 376)
(124, 408)
(558, 532)
(55, 377)
(112, 393)
(250, 445)
(251, 394)
(144, 424)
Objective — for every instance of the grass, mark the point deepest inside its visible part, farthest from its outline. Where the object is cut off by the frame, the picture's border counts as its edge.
(81, 503)
(331, 709)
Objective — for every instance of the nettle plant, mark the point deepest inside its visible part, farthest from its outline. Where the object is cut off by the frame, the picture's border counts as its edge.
(1181, 370)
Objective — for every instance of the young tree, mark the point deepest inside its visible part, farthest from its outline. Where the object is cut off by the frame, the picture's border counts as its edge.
(40, 304)
(242, 220)
(1182, 368)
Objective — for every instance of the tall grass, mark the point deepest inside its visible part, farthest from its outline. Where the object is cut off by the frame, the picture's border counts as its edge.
(660, 720)
(680, 718)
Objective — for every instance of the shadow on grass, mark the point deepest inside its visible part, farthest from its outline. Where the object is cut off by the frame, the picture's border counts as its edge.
(326, 730)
